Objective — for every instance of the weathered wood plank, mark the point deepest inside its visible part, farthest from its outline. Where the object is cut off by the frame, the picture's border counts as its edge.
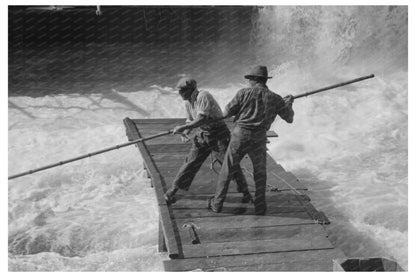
(169, 169)
(169, 148)
(190, 207)
(170, 161)
(172, 238)
(205, 182)
(231, 202)
(286, 181)
(287, 227)
(276, 180)
(171, 233)
(184, 147)
(272, 165)
(161, 243)
(310, 265)
(293, 232)
(241, 209)
(150, 131)
(318, 216)
(170, 123)
(227, 262)
(205, 187)
(204, 174)
(134, 134)
(271, 181)
(165, 158)
(257, 246)
(250, 220)
(150, 121)
(168, 164)
(171, 139)
(186, 200)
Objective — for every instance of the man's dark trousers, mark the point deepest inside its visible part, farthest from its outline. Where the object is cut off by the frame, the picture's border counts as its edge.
(203, 144)
(244, 141)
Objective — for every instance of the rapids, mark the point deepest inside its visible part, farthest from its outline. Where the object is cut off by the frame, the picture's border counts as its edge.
(350, 145)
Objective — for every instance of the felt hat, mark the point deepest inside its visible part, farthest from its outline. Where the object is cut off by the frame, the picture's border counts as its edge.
(258, 71)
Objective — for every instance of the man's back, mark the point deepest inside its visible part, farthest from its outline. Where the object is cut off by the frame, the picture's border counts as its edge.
(256, 107)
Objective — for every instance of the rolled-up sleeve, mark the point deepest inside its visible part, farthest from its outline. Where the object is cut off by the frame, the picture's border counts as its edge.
(203, 105)
(285, 112)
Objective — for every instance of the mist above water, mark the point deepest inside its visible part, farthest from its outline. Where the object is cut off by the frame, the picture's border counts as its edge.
(350, 142)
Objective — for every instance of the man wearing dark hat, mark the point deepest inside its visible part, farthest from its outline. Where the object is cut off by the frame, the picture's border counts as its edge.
(203, 112)
(254, 110)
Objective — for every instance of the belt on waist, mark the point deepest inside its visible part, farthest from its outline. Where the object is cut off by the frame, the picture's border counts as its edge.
(214, 127)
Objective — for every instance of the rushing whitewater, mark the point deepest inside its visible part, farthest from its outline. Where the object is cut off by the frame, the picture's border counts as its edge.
(348, 145)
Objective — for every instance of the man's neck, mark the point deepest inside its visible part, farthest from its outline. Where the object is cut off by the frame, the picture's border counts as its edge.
(262, 85)
(193, 97)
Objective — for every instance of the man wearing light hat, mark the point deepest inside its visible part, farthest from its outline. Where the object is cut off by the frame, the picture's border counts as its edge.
(202, 112)
(254, 110)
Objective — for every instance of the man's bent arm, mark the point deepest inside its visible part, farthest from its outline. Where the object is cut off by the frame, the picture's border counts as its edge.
(286, 112)
(198, 121)
(290, 114)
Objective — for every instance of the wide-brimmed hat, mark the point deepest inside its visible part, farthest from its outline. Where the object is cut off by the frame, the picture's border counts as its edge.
(258, 71)
(186, 82)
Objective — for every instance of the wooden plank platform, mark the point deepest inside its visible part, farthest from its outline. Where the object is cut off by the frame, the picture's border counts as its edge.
(154, 126)
(290, 237)
(277, 261)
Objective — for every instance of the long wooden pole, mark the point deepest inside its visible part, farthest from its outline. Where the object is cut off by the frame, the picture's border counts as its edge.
(333, 86)
(168, 132)
(89, 155)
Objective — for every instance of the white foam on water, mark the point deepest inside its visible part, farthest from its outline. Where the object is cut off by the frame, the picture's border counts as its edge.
(348, 145)
(102, 208)
(94, 210)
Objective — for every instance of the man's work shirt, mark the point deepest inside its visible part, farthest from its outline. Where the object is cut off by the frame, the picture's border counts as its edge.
(203, 103)
(256, 108)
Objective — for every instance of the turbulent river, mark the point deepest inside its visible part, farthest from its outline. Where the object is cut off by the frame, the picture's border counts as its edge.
(349, 145)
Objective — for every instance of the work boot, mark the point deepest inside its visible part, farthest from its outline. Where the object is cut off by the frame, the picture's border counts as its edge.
(247, 197)
(170, 195)
(212, 207)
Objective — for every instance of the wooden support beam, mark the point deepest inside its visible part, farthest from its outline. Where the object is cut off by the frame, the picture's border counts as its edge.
(162, 242)
(241, 221)
(285, 261)
(169, 227)
(252, 247)
(288, 234)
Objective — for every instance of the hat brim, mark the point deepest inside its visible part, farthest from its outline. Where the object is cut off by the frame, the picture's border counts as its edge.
(248, 76)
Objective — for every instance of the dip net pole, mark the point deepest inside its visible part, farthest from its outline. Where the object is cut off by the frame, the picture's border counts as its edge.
(88, 155)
